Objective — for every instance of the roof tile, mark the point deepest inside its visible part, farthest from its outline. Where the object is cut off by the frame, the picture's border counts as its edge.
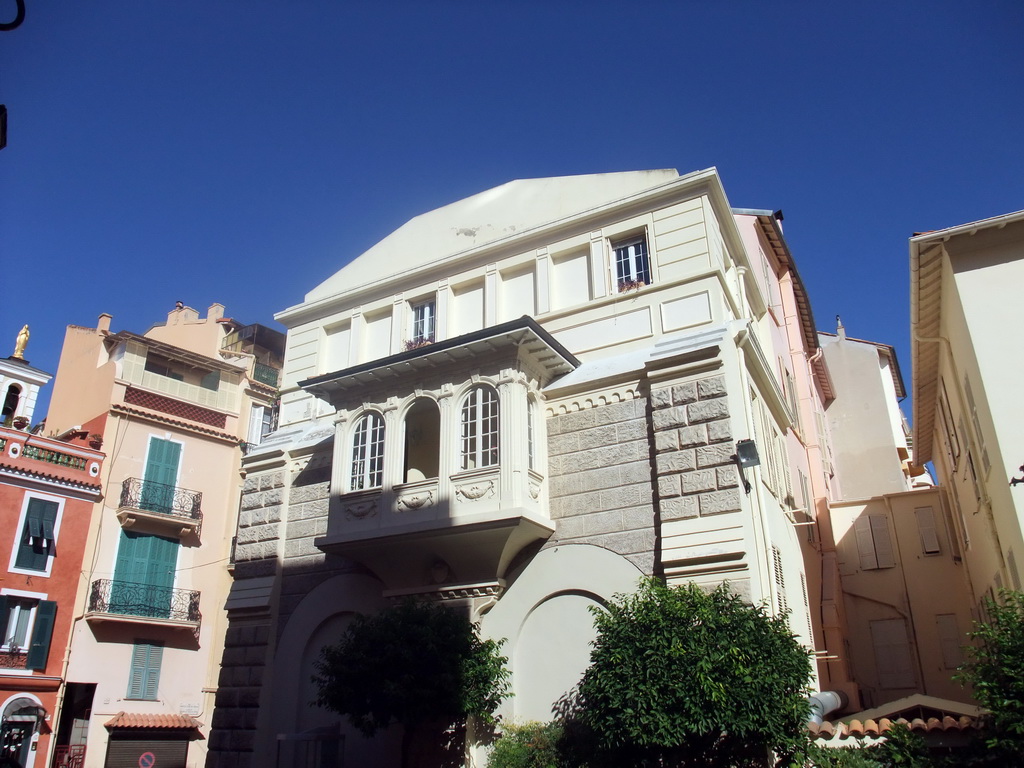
(139, 720)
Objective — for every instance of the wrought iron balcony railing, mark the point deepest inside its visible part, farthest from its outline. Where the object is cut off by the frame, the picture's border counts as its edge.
(265, 374)
(162, 499)
(126, 598)
(13, 658)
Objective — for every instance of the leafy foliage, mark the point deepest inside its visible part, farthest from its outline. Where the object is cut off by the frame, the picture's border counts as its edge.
(901, 749)
(682, 677)
(412, 664)
(530, 745)
(995, 667)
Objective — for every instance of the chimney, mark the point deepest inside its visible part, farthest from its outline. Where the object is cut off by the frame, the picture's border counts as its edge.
(103, 323)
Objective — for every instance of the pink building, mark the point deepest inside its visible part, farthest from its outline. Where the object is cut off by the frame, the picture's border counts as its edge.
(48, 487)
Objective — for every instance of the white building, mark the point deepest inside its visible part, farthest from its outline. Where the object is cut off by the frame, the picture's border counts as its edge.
(522, 403)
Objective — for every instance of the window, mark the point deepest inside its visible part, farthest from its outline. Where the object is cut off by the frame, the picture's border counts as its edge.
(422, 440)
(973, 408)
(144, 680)
(11, 400)
(893, 659)
(874, 542)
(27, 623)
(368, 453)
(926, 527)
(262, 421)
(479, 420)
(163, 367)
(36, 545)
(161, 477)
(780, 583)
(424, 315)
(949, 434)
(632, 264)
(950, 640)
(20, 613)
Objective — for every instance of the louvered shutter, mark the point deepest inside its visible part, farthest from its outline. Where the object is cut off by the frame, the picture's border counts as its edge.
(883, 544)
(950, 640)
(156, 658)
(926, 527)
(865, 544)
(42, 631)
(137, 679)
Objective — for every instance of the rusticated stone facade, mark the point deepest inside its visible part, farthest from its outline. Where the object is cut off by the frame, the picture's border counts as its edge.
(693, 440)
(600, 470)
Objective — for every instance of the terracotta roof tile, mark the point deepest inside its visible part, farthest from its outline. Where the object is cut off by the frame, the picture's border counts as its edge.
(870, 728)
(138, 720)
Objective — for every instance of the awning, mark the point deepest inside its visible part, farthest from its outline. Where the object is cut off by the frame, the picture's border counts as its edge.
(137, 720)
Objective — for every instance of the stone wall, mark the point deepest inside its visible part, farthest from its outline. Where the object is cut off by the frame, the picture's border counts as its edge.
(696, 473)
(600, 479)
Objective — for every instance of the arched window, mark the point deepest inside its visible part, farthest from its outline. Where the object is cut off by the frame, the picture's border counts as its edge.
(368, 453)
(479, 420)
(11, 401)
(422, 440)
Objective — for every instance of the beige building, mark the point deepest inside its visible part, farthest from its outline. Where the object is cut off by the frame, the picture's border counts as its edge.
(520, 404)
(174, 408)
(905, 588)
(965, 309)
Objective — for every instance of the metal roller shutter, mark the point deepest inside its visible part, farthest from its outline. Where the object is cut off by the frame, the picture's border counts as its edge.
(136, 752)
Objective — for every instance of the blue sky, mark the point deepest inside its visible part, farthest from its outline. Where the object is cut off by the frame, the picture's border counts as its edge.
(241, 151)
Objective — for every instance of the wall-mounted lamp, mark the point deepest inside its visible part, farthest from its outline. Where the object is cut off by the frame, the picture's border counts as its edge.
(746, 457)
(1015, 480)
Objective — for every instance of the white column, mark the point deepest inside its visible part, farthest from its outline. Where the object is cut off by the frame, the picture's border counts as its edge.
(512, 437)
(598, 265)
(543, 281)
(491, 296)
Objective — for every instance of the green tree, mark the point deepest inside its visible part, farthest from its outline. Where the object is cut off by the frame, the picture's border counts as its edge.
(682, 677)
(530, 745)
(419, 665)
(995, 668)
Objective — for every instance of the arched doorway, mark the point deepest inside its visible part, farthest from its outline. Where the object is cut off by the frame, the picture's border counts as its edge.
(20, 720)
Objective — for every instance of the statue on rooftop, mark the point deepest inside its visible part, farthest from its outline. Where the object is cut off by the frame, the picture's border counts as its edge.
(20, 343)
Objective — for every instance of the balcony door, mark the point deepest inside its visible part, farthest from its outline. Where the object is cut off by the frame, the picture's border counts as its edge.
(144, 575)
(161, 476)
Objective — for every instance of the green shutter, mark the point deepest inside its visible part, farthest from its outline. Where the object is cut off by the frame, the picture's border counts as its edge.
(5, 616)
(144, 680)
(36, 542)
(161, 475)
(42, 631)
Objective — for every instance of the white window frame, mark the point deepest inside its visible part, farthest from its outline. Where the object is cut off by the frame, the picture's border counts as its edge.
(36, 598)
(423, 321)
(479, 429)
(366, 464)
(261, 422)
(636, 267)
(21, 527)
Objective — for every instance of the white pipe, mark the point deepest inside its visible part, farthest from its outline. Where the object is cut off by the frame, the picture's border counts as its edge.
(824, 703)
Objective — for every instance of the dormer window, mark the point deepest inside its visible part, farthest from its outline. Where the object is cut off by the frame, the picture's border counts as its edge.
(368, 453)
(479, 422)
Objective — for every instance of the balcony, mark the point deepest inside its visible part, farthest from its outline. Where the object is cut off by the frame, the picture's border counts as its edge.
(160, 509)
(264, 374)
(460, 529)
(13, 659)
(126, 601)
